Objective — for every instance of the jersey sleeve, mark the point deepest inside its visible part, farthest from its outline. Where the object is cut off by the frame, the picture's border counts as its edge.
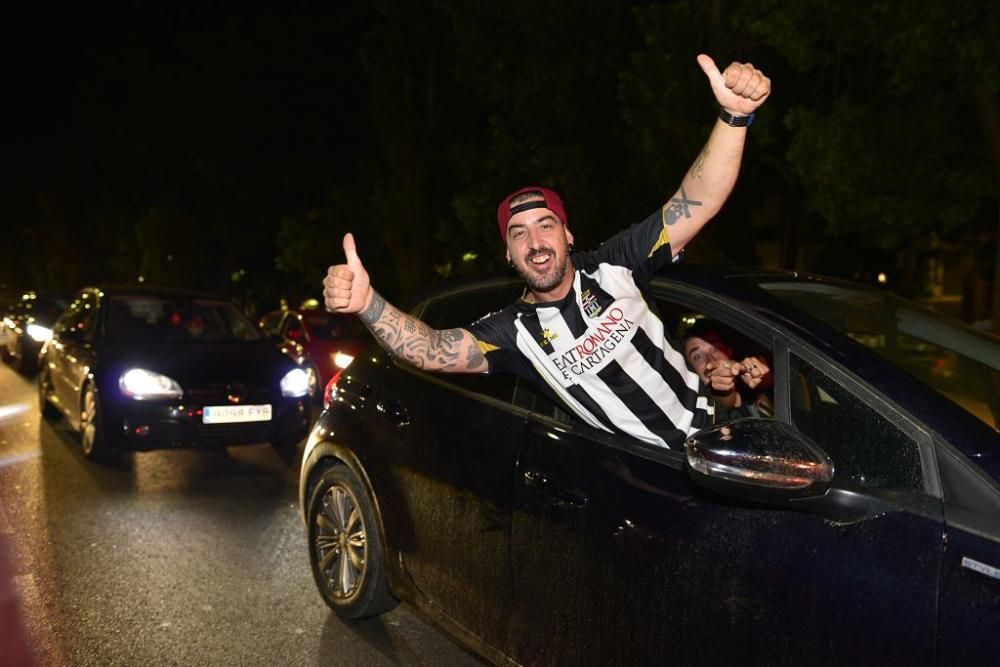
(644, 247)
(496, 337)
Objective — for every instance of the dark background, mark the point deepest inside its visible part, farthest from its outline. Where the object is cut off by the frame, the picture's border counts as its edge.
(229, 147)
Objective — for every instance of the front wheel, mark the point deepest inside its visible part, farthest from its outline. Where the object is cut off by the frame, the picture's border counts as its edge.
(92, 440)
(345, 551)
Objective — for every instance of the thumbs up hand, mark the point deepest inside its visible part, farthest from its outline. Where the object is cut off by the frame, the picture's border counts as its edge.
(740, 88)
(347, 288)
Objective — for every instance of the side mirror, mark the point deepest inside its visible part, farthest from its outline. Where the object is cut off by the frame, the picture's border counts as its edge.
(759, 460)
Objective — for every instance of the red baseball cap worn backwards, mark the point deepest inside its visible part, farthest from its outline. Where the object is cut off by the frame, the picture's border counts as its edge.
(550, 200)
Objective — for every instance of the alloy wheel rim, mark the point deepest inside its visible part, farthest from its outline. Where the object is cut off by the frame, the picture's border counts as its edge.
(340, 542)
(87, 418)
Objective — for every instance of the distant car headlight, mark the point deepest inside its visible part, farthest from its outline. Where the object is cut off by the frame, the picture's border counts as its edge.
(343, 360)
(39, 333)
(141, 384)
(295, 383)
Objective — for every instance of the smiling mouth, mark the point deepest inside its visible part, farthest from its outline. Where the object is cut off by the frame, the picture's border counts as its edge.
(539, 258)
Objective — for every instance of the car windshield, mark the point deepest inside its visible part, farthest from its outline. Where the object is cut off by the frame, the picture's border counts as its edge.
(150, 317)
(329, 326)
(40, 308)
(956, 360)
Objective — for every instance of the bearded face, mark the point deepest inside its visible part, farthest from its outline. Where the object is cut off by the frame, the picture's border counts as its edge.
(538, 247)
(543, 269)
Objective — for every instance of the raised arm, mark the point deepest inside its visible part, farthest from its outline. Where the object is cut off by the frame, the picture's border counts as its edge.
(739, 90)
(347, 289)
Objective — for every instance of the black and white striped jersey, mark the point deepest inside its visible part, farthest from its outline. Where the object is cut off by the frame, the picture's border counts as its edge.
(603, 349)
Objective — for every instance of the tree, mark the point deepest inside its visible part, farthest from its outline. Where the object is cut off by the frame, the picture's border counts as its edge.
(894, 134)
(669, 110)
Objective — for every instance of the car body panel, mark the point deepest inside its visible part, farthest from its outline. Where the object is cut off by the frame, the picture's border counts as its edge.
(454, 491)
(573, 545)
(676, 566)
(320, 335)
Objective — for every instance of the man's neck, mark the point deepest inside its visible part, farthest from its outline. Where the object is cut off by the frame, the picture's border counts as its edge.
(552, 295)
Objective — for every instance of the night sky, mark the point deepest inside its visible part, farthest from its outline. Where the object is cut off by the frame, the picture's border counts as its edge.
(187, 145)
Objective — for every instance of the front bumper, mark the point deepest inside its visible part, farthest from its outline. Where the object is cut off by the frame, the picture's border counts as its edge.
(150, 425)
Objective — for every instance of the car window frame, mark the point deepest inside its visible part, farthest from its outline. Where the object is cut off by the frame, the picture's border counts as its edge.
(872, 398)
(74, 307)
(457, 380)
(766, 332)
(785, 343)
(278, 316)
(290, 320)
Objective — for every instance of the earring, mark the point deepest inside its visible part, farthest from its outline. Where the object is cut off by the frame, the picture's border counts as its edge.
(571, 248)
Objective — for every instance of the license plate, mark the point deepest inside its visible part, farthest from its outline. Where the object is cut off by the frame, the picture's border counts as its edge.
(229, 414)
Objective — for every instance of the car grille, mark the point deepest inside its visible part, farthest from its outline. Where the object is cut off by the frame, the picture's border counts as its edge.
(217, 394)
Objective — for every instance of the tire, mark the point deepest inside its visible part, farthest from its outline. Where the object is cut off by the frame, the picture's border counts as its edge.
(345, 550)
(17, 360)
(48, 410)
(93, 443)
(27, 363)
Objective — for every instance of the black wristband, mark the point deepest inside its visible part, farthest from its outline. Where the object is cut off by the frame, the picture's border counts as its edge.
(735, 121)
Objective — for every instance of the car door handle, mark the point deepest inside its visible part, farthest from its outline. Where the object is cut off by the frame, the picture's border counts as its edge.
(569, 498)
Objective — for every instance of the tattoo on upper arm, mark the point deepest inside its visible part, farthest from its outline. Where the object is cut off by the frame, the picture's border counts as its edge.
(475, 360)
(699, 163)
(679, 207)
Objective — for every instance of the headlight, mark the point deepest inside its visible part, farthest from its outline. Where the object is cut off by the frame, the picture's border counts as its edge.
(39, 333)
(295, 383)
(342, 360)
(141, 384)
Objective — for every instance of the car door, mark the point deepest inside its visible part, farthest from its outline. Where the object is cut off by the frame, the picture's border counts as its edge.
(455, 441)
(970, 574)
(619, 558)
(71, 355)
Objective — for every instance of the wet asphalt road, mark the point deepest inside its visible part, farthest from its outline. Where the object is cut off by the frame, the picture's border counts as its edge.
(172, 557)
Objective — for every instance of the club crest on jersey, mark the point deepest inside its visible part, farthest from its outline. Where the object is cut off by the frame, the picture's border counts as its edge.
(591, 305)
(548, 337)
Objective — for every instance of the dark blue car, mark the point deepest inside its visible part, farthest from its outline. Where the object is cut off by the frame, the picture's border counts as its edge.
(139, 368)
(858, 525)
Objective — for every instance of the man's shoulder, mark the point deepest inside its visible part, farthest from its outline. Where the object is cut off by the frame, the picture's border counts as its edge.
(506, 315)
(601, 268)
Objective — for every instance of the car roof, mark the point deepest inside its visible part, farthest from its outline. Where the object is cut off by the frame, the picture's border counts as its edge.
(153, 290)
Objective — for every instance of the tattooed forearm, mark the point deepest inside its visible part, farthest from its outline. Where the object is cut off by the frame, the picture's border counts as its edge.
(374, 310)
(434, 350)
(413, 341)
(679, 207)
